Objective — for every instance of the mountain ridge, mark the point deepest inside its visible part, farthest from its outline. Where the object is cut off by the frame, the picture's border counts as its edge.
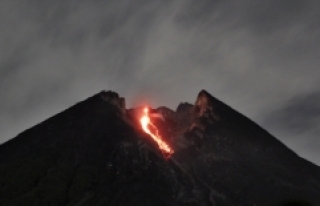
(95, 153)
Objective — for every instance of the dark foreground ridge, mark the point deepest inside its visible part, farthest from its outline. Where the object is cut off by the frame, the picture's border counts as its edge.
(95, 153)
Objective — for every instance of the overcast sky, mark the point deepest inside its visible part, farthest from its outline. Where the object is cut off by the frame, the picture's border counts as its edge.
(260, 57)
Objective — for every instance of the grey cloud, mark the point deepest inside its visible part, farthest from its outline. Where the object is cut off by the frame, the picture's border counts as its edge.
(297, 121)
(300, 114)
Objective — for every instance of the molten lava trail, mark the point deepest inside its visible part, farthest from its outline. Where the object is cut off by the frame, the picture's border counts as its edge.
(146, 123)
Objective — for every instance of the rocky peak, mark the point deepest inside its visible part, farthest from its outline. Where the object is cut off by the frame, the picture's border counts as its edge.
(204, 111)
(184, 108)
(204, 104)
(114, 99)
(165, 112)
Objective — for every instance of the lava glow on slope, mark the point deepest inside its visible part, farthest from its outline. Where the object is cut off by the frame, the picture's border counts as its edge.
(146, 123)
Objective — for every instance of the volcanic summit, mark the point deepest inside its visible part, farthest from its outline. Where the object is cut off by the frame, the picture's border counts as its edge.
(97, 153)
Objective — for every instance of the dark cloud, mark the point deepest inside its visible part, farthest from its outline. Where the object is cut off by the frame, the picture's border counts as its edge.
(297, 122)
(267, 17)
(255, 56)
(300, 114)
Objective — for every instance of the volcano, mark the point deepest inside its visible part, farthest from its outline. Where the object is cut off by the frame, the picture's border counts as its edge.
(97, 153)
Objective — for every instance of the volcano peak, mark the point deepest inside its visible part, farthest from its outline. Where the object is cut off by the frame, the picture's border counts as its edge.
(96, 153)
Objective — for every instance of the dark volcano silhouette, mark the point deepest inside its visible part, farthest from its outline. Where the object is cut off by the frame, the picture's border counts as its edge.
(95, 153)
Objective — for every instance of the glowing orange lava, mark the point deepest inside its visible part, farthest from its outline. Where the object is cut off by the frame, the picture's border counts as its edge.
(145, 123)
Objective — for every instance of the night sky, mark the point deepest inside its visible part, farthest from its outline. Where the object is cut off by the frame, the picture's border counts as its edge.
(260, 57)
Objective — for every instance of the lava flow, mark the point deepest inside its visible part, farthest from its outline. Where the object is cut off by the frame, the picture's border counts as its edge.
(145, 123)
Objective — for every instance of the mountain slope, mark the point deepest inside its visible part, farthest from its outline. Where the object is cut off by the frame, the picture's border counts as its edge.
(95, 153)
